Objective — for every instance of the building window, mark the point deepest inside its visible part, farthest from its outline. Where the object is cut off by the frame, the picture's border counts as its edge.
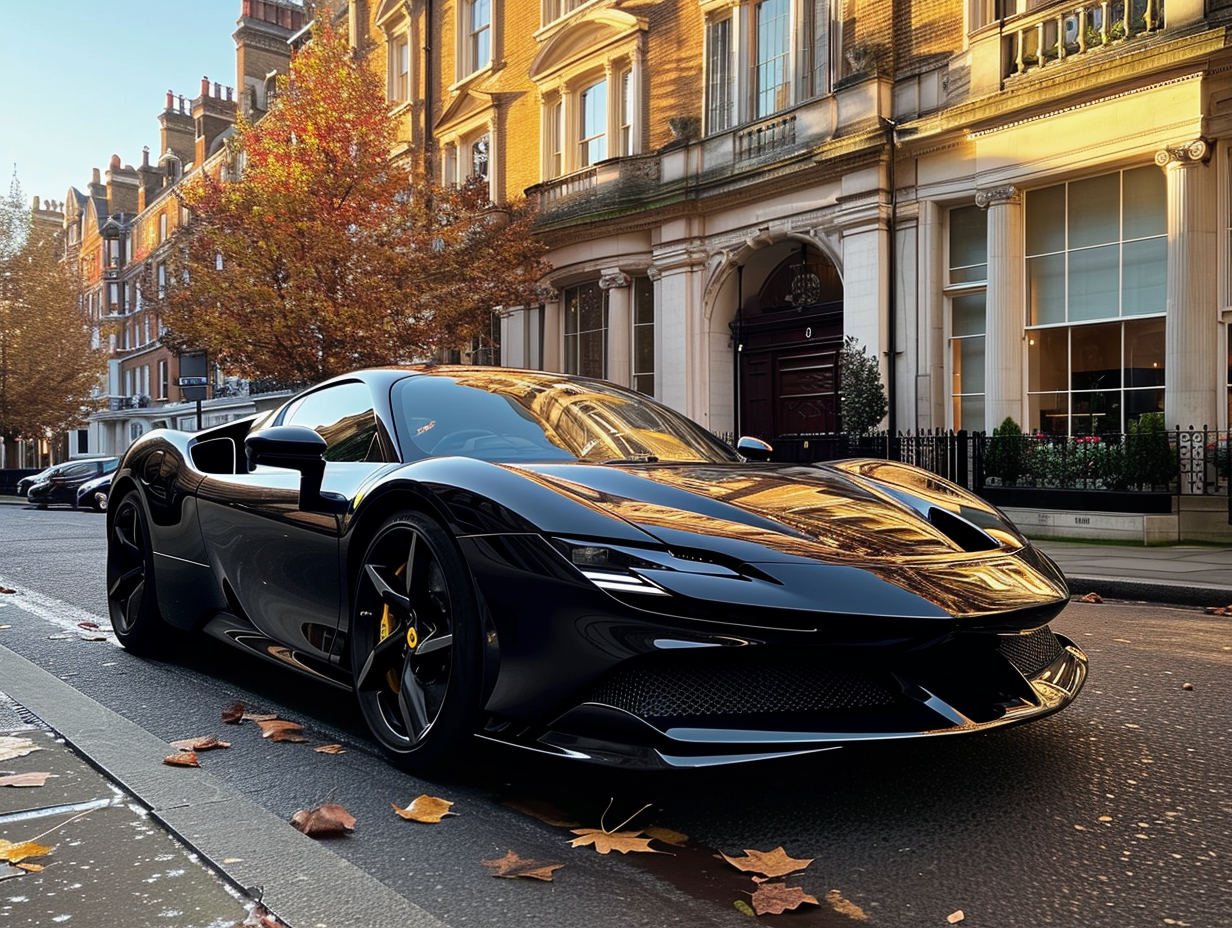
(625, 112)
(479, 151)
(1097, 268)
(592, 147)
(966, 293)
(162, 227)
(162, 279)
(555, 9)
(556, 138)
(164, 380)
(585, 330)
(400, 68)
(643, 336)
(720, 88)
(776, 73)
(478, 48)
(83, 441)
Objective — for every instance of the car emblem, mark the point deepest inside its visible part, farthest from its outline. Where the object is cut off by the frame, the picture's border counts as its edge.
(412, 638)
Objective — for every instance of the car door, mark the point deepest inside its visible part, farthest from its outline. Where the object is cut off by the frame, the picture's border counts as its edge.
(280, 562)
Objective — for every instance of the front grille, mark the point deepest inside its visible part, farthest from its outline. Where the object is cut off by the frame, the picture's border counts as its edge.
(736, 681)
(1030, 653)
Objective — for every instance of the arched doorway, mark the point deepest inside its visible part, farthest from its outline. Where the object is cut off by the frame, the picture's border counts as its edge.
(788, 335)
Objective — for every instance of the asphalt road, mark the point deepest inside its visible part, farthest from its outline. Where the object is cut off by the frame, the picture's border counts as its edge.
(1117, 812)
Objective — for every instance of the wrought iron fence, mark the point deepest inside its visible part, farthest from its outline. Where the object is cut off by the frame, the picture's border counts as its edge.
(1191, 462)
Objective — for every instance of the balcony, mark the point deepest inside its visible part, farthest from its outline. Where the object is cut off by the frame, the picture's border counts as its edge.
(768, 139)
(1048, 37)
(610, 184)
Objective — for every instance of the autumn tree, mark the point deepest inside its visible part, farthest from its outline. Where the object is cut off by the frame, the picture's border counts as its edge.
(48, 368)
(315, 253)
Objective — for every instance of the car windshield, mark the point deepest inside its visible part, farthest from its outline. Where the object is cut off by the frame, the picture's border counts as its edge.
(511, 416)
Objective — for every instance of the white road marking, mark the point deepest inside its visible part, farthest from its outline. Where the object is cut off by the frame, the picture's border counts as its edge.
(55, 611)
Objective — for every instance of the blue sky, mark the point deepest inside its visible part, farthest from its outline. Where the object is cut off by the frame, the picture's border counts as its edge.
(80, 80)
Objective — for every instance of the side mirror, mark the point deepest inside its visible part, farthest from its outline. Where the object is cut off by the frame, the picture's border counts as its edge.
(754, 449)
(295, 447)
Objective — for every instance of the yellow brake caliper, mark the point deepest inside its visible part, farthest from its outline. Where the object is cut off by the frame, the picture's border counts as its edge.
(388, 624)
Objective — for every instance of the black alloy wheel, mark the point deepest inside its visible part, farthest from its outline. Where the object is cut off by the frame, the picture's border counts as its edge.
(135, 618)
(415, 643)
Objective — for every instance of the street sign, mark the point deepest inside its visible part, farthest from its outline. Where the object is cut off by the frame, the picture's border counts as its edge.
(191, 381)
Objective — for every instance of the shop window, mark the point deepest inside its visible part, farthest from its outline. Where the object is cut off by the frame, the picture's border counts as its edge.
(585, 309)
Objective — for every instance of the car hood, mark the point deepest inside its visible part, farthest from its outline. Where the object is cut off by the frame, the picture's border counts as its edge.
(894, 521)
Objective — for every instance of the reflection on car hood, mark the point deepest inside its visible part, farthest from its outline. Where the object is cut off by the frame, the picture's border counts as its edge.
(766, 513)
(803, 511)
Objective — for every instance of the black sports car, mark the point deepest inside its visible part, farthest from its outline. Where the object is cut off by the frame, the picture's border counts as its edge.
(567, 566)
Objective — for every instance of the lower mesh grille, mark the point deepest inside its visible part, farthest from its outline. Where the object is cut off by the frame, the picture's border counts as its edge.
(720, 682)
(1030, 653)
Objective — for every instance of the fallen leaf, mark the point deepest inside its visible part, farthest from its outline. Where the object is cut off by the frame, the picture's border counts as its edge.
(91, 625)
(277, 729)
(544, 811)
(24, 779)
(1216, 610)
(15, 853)
(1187, 686)
(511, 867)
(1092, 598)
(326, 819)
(427, 809)
(605, 842)
(91, 636)
(182, 759)
(769, 863)
(5, 589)
(330, 749)
(259, 717)
(32, 868)
(12, 746)
(200, 744)
(777, 898)
(744, 908)
(233, 714)
(955, 917)
(667, 836)
(845, 906)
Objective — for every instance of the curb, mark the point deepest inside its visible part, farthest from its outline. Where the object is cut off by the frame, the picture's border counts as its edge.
(1151, 591)
(303, 883)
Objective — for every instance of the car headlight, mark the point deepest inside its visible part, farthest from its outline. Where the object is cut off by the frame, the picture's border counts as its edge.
(610, 568)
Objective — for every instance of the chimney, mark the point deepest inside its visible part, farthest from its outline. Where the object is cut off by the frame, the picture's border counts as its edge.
(261, 46)
(176, 133)
(212, 113)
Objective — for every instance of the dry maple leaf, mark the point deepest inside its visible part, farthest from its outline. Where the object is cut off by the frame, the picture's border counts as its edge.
(511, 867)
(277, 729)
(1092, 598)
(233, 714)
(329, 818)
(845, 906)
(182, 759)
(955, 917)
(667, 836)
(607, 841)
(330, 749)
(15, 853)
(200, 744)
(24, 779)
(769, 863)
(7, 589)
(12, 746)
(777, 898)
(31, 868)
(427, 809)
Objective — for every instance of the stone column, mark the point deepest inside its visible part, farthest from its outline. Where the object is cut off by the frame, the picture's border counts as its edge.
(1191, 352)
(681, 356)
(619, 326)
(1005, 312)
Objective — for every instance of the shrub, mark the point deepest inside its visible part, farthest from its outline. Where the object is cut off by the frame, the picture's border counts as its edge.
(1149, 457)
(863, 398)
(1005, 452)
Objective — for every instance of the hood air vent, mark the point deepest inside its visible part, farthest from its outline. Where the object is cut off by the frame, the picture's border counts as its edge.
(960, 531)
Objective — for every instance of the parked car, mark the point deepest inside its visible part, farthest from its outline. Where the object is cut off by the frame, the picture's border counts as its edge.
(24, 484)
(569, 567)
(60, 483)
(93, 493)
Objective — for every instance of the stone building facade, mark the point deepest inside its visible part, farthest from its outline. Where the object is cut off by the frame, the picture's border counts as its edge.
(1022, 208)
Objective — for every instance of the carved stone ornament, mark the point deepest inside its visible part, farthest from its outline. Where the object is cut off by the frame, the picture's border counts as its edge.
(997, 196)
(615, 281)
(1196, 152)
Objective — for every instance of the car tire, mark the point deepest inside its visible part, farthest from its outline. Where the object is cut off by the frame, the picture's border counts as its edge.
(131, 597)
(415, 643)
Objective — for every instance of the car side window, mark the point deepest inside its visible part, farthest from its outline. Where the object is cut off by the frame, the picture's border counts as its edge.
(344, 416)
